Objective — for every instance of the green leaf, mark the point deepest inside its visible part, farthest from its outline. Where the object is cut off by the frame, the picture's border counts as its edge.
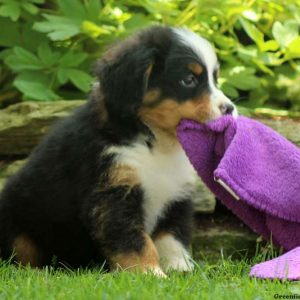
(35, 86)
(10, 9)
(250, 15)
(36, 76)
(71, 59)
(270, 45)
(46, 55)
(26, 55)
(5, 53)
(247, 53)
(58, 28)
(293, 50)
(22, 59)
(262, 66)
(245, 111)
(32, 9)
(31, 39)
(38, 1)
(72, 9)
(225, 42)
(80, 79)
(137, 21)
(241, 78)
(229, 90)
(94, 30)
(253, 32)
(269, 59)
(35, 90)
(258, 37)
(257, 97)
(285, 33)
(62, 75)
(93, 8)
(11, 35)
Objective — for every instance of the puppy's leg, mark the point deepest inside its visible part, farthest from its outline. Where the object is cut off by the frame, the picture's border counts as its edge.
(173, 236)
(17, 245)
(173, 254)
(145, 260)
(26, 251)
(116, 224)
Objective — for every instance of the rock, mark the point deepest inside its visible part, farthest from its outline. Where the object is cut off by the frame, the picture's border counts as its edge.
(204, 200)
(22, 125)
(222, 236)
(286, 127)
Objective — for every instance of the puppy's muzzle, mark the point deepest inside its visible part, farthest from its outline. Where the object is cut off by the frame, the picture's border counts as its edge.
(227, 109)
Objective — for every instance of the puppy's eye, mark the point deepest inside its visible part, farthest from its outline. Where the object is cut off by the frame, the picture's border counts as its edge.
(190, 81)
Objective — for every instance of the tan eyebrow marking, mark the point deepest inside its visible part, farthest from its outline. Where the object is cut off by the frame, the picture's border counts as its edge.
(151, 96)
(196, 68)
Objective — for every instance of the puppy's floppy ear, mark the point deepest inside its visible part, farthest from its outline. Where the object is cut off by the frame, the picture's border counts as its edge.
(124, 73)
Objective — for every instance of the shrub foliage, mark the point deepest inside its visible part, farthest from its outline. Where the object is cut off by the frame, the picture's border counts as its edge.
(47, 47)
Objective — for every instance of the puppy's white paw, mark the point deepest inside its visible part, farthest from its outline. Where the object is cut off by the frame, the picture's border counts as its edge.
(156, 271)
(173, 255)
(182, 263)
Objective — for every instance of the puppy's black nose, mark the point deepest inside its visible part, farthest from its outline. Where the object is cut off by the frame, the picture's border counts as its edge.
(226, 109)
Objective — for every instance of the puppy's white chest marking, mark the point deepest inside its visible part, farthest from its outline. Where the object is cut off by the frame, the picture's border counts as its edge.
(165, 176)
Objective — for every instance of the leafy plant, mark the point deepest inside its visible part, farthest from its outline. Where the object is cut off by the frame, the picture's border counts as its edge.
(48, 47)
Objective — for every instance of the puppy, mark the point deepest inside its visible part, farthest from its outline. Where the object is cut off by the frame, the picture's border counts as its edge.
(111, 182)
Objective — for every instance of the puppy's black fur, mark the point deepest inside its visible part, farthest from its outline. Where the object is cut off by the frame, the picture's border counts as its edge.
(64, 202)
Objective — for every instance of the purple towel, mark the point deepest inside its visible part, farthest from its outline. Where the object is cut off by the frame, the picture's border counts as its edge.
(286, 266)
(253, 170)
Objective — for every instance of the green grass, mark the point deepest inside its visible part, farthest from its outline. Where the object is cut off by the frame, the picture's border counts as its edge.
(225, 279)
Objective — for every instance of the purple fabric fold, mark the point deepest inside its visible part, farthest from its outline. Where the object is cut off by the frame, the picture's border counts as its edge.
(246, 160)
(286, 266)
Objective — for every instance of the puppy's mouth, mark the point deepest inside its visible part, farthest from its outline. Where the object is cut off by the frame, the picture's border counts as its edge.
(169, 112)
(225, 109)
(208, 108)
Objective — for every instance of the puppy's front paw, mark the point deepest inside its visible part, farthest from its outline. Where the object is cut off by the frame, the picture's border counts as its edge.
(181, 263)
(173, 255)
(156, 271)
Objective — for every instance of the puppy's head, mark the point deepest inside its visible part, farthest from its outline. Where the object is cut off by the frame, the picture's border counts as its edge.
(160, 76)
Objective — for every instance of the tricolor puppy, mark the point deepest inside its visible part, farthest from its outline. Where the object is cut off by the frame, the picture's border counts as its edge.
(111, 182)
